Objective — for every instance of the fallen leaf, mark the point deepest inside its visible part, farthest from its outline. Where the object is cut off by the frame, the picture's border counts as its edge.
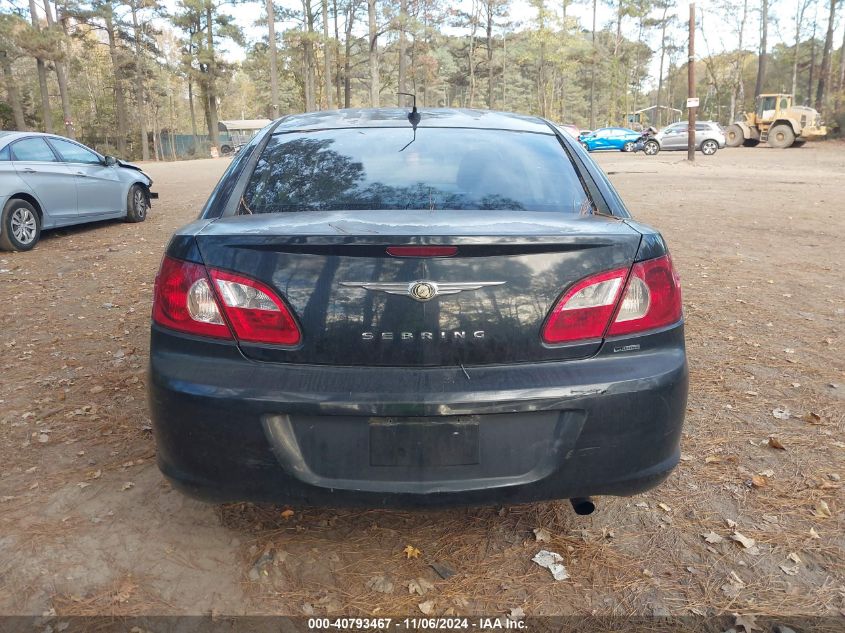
(734, 586)
(128, 485)
(712, 537)
(541, 534)
(664, 507)
(757, 481)
(794, 557)
(516, 614)
(781, 414)
(767, 473)
(420, 586)
(789, 570)
(812, 417)
(776, 443)
(382, 584)
(731, 523)
(814, 534)
(743, 540)
(712, 459)
(747, 622)
(822, 510)
(553, 562)
(411, 552)
(287, 513)
(427, 607)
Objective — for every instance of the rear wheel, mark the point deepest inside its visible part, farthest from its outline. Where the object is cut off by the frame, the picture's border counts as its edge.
(20, 226)
(136, 204)
(709, 147)
(651, 148)
(628, 147)
(734, 136)
(781, 136)
(798, 143)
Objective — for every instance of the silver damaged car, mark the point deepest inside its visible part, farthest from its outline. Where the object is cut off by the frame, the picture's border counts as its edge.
(48, 181)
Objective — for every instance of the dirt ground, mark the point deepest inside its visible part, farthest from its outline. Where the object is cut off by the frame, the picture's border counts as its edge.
(88, 525)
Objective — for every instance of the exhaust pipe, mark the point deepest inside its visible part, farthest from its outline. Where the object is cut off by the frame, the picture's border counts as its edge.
(582, 505)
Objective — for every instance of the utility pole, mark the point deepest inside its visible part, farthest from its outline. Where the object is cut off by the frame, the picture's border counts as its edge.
(274, 77)
(692, 102)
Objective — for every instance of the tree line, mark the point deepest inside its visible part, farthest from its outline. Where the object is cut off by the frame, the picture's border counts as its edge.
(121, 75)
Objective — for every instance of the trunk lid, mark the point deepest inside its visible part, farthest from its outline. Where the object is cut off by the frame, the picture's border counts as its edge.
(351, 297)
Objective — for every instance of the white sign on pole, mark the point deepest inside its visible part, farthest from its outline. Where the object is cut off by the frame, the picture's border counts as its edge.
(692, 102)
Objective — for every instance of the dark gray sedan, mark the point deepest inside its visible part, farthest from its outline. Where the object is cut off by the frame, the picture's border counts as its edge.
(48, 181)
(378, 307)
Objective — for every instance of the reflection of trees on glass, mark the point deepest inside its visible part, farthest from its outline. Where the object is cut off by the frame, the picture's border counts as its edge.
(447, 169)
(302, 173)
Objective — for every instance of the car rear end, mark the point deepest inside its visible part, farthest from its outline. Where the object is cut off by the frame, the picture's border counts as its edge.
(381, 316)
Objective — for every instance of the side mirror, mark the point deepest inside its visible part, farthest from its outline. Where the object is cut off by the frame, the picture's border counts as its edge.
(109, 161)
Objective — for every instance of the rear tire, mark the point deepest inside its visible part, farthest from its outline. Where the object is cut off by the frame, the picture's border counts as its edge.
(20, 226)
(798, 143)
(781, 136)
(137, 204)
(709, 147)
(734, 136)
(651, 148)
(628, 147)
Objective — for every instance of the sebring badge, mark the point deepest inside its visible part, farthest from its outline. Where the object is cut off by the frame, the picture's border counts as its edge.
(421, 290)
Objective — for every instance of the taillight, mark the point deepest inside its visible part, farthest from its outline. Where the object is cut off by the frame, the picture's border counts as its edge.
(585, 310)
(184, 300)
(254, 311)
(652, 298)
(191, 299)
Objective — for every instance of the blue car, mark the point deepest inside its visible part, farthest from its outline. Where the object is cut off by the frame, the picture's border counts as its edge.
(617, 138)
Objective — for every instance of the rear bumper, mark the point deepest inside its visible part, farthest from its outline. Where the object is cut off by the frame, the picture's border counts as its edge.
(230, 429)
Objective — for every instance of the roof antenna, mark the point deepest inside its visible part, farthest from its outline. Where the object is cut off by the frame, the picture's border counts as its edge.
(414, 117)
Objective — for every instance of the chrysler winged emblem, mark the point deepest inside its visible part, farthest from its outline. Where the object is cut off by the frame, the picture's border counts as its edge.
(421, 290)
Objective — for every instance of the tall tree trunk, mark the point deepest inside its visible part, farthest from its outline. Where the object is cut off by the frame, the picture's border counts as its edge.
(193, 112)
(840, 85)
(593, 73)
(12, 92)
(489, 33)
(403, 46)
(811, 79)
(46, 114)
(139, 80)
(211, 89)
(119, 96)
(347, 54)
(763, 55)
(336, 48)
(375, 88)
(308, 57)
(327, 58)
(663, 23)
(824, 71)
(61, 75)
(274, 73)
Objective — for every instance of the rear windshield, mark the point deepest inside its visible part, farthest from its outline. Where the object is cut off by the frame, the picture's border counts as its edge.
(386, 168)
